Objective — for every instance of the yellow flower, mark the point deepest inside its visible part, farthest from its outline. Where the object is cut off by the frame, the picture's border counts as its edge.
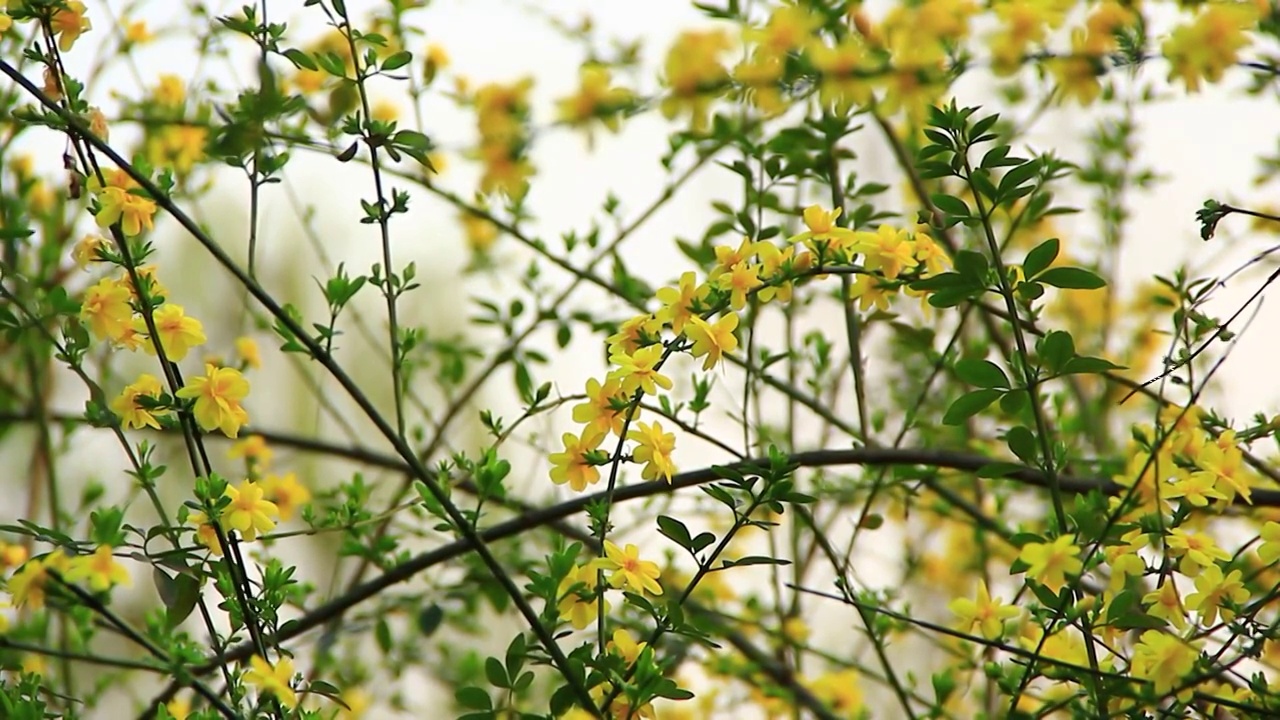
(1208, 46)
(147, 280)
(1163, 659)
(1052, 562)
(178, 708)
(1195, 488)
(678, 302)
(571, 466)
(6, 22)
(760, 76)
(654, 449)
(250, 512)
(1223, 462)
(286, 492)
(27, 585)
(206, 533)
(100, 569)
(136, 33)
(98, 124)
(247, 349)
(480, 231)
(888, 250)
(218, 394)
(712, 340)
(87, 250)
(11, 555)
(774, 261)
(106, 309)
(1077, 74)
(69, 23)
(1108, 18)
(133, 212)
(986, 614)
(870, 292)
(635, 333)
(693, 72)
(358, 701)
(596, 99)
(178, 333)
(178, 146)
(170, 91)
(639, 371)
(1212, 589)
(255, 451)
(436, 59)
(625, 646)
(740, 280)
(844, 70)
(824, 237)
(126, 406)
(628, 570)
(1269, 550)
(930, 254)
(605, 409)
(579, 611)
(1165, 604)
(840, 690)
(1197, 550)
(789, 27)
(273, 680)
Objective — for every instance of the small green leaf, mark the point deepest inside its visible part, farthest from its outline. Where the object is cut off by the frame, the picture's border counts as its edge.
(970, 404)
(676, 531)
(300, 59)
(981, 373)
(1040, 258)
(474, 698)
(429, 619)
(397, 61)
(1056, 349)
(1072, 278)
(1081, 364)
(1023, 444)
(754, 560)
(496, 673)
(951, 205)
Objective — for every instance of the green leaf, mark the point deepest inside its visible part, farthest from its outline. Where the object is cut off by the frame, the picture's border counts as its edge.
(179, 595)
(496, 673)
(1056, 349)
(1040, 258)
(397, 61)
(1122, 603)
(1017, 176)
(1081, 364)
(474, 698)
(970, 404)
(754, 560)
(300, 59)
(1072, 278)
(1013, 402)
(429, 619)
(951, 205)
(701, 542)
(676, 531)
(981, 373)
(1023, 444)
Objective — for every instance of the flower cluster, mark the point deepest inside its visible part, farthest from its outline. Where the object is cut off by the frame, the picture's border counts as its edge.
(701, 319)
(502, 119)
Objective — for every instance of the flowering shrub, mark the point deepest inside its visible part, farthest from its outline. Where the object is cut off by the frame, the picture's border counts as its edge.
(861, 452)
